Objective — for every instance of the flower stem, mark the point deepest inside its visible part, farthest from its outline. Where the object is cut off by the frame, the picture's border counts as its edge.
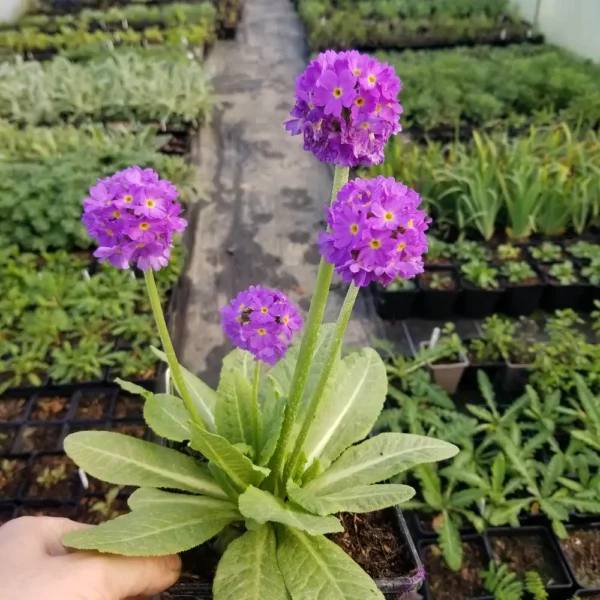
(256, 407)
(338, 335)
(307, 347)
(163, 332)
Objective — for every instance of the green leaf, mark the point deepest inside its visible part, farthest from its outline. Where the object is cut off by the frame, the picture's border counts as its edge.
(498, 472)
(132, 388)
(360, 499)
(352, 402)
(152, 531)
(234, 413)
(167, 416)
(248, 570)
(124, 460)
(380, 458)
(264, 507)
(450, 543)
(147, 498)
(273, 412)
(204, 398)
(314, 568)
(239, 468)
(553, 471)
(240, 360)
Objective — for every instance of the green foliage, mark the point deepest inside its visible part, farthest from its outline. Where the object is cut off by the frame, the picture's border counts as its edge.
(535, 586)
(122, 87)
(500, 581)
(481, 275)
(517, 272)
(508, 252)
(592, 272)
(546, 252)
(338, 472)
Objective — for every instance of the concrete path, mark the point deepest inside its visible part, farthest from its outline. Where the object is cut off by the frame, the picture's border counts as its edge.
(263, 196)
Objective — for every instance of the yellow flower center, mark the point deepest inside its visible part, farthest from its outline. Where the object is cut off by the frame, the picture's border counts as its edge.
(286, 320)
(264, 310)
(360, 101)
(354, 229)
(401, 246)
(365, 125)
(356, 72)
(388, 216)
(371, 79)
(261, 331)
(410, 223)
(140, 245)
(337, 92)
(110, 233)
(150, 203)
(375, 244)
(144, 226)
(128, 198)
(378, 109)
(116, 214)
(311, 105)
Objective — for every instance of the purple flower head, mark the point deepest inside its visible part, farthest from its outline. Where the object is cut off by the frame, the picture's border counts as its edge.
(261, 321)
(346, 108)
(376, 232)
(133, 215)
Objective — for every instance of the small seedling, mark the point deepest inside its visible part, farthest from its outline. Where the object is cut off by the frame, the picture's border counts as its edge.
(517, 272)
(481, 275)
(51, 476)
(564, 273)
(547, 252)
(105, 507)
(507, 252)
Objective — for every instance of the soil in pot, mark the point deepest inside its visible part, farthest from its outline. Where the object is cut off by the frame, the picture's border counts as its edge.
(50, 408)
(445, 584)
(129, 407)
(8, 435)
(582, 550)
(48, 480)
(11, 475)
(40, 438)
(92, 407)
(371, 539)
(528, 552)
(93, 511)
(12, 410)
(138, 430)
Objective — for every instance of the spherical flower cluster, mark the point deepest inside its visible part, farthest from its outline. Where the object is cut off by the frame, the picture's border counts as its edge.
(376, 232)
(347, 108)
(262, 322)
(133, 215)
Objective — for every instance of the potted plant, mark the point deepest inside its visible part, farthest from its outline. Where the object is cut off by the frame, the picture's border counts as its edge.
(591, 275)
(262, 464)
(469, 251)
(396, 301)
(583, 251)
(508, 253)
(482, 289)
(439, 254)
(546, 253)
(440, 291)
(519, 352)
(524, 289)
(447, 369)
(564, 286)
(486, 352)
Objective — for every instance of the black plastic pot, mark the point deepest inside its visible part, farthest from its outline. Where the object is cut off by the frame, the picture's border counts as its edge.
(439, 304)
(559, 297)
(515, 378)
(494, 370)
(394, 305)
(561, 586)
(477, 303)
(521, 300)
(589, 296)
(572, 571)
(391, 588)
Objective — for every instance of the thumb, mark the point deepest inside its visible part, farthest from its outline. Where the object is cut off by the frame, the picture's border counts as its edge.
(118, 577)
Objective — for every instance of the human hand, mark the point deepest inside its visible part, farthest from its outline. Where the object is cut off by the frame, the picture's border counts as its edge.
(34, 565)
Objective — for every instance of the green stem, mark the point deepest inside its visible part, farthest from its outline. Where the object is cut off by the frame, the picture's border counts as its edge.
(256, 407)
(338, 335)
(307, 347)
(163, 332)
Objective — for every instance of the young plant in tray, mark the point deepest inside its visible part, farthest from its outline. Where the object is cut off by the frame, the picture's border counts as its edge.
(546, 252)
(563, 273)
(508, 253)
(278, 449)
(519, 273)
(481, 275)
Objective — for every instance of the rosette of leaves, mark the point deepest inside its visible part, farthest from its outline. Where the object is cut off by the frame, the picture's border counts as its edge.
(546, 252)
(592, 272)
(469, 251)
(508, 252)
(221, 482)
(564, 273)
(517, 272)
(481, 275)
(401, 285)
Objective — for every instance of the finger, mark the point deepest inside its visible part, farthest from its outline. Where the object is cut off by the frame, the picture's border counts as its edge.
(125, 576)
(39, 535)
